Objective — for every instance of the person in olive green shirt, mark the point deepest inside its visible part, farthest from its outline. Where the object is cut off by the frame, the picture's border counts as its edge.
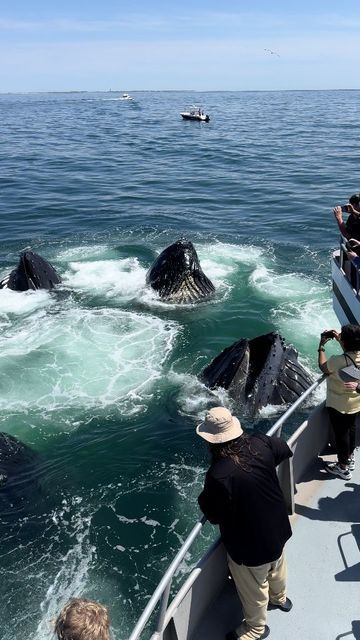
(342, 398)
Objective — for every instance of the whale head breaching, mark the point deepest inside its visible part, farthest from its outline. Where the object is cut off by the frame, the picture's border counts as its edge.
(32, 272)
(259, 372)
(177, 276)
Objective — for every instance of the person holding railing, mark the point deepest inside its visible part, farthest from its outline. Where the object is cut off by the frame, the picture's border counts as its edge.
(350, 228)
(342, 396)
(242, 495)
(82, 619)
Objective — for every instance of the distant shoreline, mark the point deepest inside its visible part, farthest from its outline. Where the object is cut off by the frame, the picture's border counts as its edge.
(71, 91)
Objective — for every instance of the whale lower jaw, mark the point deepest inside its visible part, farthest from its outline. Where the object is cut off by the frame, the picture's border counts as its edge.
(192, 289)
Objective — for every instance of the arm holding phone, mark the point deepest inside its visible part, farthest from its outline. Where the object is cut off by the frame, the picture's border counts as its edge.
(330, 334)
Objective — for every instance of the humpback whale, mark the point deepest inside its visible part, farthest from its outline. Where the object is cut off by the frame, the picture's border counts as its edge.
(32, 272)
(177, 276)
(17, 476)
(14, 457)
(258, 372)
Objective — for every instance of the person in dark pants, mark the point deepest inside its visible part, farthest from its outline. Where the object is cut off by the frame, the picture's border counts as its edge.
(342, 398)
(242, 495)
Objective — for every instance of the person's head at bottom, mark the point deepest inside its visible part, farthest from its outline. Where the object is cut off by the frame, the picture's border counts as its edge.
(82, 619)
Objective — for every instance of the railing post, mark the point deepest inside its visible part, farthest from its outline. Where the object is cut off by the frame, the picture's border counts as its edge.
(162, 612)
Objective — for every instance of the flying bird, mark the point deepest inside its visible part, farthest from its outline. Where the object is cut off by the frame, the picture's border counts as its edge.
(273, 53)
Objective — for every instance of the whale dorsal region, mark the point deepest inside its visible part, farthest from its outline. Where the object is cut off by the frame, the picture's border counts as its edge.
(176, 275)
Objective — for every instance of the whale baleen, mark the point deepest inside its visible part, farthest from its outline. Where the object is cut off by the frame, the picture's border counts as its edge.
(32, 272)
(177, 277)
(259, 372)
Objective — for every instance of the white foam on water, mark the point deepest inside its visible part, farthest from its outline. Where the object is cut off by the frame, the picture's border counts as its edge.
(20, 303)
(79, 359)
(194, 398)
(73, 567)
(285, 286)
(82, 252)
(303, 321)
(229, 254)
(123, 279)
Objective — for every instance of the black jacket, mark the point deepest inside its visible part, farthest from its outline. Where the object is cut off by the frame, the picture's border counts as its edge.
(249, 505)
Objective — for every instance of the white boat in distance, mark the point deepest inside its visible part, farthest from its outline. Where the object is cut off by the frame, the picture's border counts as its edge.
(126, 96)
(195, 113)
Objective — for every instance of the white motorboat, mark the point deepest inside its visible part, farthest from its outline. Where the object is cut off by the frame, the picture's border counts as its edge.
(195, 113)
(126, 96)
(323, 554)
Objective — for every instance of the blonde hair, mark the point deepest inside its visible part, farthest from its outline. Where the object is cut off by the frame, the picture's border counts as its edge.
(82, 619)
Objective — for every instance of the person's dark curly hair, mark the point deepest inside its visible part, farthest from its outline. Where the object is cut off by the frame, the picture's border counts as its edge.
(239, 451)
(350, 337)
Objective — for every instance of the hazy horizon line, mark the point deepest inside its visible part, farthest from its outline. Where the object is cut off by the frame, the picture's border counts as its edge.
(19, 92)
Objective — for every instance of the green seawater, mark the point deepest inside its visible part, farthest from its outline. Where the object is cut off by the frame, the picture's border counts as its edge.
(100, 378)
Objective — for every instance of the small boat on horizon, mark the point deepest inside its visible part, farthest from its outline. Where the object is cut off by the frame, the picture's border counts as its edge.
(126, 96)
(195, 113)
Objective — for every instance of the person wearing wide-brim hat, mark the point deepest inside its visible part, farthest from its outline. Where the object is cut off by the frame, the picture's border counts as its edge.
(242, 495)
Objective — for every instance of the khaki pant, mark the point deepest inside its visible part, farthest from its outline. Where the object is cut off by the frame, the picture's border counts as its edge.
(255, 587)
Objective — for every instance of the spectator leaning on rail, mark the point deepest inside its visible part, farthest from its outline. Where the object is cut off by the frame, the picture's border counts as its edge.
(342, 397)
(243, 496)
(82, 619)
(350, 228)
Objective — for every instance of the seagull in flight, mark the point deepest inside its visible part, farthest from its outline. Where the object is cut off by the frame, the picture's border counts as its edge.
(273, 53)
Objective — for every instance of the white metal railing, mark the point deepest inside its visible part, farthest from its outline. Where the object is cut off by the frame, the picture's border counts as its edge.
(162, 591)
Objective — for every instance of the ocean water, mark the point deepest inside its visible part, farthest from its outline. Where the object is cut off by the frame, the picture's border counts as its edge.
(100, 378)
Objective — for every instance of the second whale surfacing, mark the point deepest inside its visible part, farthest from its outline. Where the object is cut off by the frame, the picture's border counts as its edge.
(176, 275)
(32, 272)
(259, 372)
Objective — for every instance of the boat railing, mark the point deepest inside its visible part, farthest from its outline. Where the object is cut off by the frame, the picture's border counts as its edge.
(162, 591)
(351, 271)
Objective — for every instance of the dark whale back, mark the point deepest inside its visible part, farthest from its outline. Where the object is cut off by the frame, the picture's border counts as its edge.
(32, 272)
(259, 372)
(177, 275)
(15, 458)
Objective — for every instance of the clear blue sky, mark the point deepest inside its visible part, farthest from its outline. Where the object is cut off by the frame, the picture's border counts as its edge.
(47, 45)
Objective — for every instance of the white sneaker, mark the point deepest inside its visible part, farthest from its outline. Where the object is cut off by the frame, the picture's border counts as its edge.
(351, 463)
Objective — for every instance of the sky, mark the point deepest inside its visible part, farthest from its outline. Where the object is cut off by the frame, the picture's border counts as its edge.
(203, 45)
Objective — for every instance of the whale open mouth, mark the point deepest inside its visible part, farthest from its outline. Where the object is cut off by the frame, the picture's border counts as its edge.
(259, 372)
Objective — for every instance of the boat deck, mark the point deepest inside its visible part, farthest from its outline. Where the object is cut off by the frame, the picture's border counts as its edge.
(323, 566)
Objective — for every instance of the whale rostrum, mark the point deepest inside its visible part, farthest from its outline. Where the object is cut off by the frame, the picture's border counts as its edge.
(176, 275)
(32, 272)
(259, 372)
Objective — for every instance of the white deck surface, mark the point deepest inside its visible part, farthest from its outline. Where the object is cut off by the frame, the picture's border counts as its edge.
(323, 566)
(323, 560)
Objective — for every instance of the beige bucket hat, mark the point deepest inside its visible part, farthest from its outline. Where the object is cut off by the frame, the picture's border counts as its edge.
(219, 426)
